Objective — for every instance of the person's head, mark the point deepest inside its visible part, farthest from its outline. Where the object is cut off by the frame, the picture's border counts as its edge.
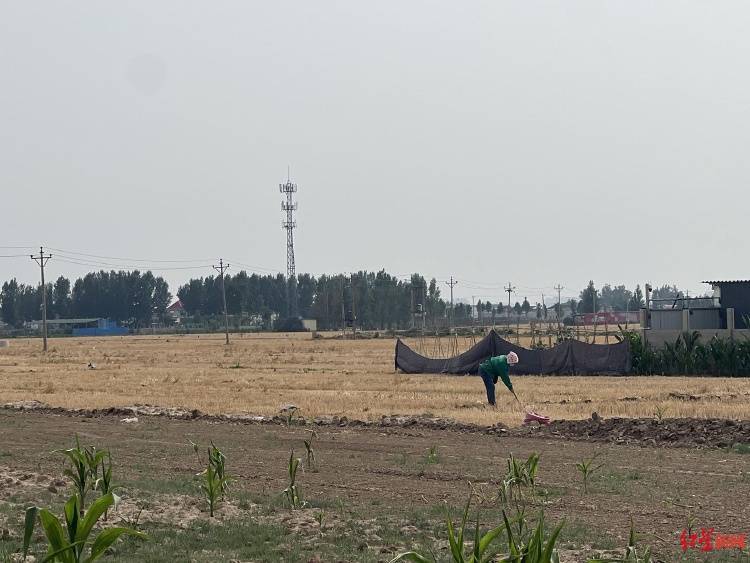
(512, 358)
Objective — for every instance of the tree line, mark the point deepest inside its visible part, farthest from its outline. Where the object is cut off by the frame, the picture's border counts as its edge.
(377, 300)
(133, 299)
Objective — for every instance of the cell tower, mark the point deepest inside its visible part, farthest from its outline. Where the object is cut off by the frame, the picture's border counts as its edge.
(290, 206)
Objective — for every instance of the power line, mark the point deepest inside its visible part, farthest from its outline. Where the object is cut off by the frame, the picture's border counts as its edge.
(132, 260)
(97, 264)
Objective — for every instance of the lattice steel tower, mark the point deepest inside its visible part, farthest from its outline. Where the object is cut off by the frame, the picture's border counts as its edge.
(290, 206)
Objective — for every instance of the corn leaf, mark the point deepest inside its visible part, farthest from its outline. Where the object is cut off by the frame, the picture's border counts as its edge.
(56, 537)
(28, 528)
(107, 537)
(93, 514)
(411, 556)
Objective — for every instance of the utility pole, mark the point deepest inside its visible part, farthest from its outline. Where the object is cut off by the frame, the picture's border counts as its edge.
(559, 289)
(354, 311)
(510, 288)
(451, 284)
(221, 268)
(42, 260)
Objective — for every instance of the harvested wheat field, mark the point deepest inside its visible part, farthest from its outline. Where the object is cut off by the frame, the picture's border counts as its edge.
(381, 455)
(260, 373)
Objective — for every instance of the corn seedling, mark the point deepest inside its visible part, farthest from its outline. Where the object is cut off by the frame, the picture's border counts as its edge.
(290, 412)
(196, 449)
(587, 469)
(214, 480)
(104, 483)
(69, 545)
(311, 463)
(85, 463)
(520, 474)
(433, 455)
(217, 459)
(479, 552)
(632, 554)
(319, 517)
(292, 492)
(535, 549)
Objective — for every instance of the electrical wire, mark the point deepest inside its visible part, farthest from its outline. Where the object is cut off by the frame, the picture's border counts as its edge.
(132, 260)
(14, 255)
(68, 260)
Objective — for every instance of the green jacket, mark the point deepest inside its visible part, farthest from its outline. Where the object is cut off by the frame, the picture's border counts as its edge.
(497, 367)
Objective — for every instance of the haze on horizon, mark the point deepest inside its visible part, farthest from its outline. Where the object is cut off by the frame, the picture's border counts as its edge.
(536, 142)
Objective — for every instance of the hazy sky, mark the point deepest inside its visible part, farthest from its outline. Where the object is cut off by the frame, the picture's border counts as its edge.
(537, 142)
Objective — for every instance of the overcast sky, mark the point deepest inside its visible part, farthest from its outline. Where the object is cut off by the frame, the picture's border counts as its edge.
(536, 142)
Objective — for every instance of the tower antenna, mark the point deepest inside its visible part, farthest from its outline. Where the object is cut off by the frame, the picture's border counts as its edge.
(290, 206)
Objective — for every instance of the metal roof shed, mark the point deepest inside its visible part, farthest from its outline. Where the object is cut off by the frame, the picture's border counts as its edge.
(734, 294)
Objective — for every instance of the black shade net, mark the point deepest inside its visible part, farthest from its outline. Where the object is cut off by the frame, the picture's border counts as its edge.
(570, 357)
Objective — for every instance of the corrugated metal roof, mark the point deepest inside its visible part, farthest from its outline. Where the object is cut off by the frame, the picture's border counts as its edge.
(712, 282)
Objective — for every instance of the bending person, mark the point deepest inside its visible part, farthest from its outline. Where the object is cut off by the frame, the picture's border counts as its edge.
(497, 367)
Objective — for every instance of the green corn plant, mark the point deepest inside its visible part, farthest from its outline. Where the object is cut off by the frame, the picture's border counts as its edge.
(104, 483)
(520, 474)
(587, 469)
(217, 459)
(211, 487)
(535, 549)
(214, 480)
(68, 545)
(311, 462)
(433, 455)
(632, 555)
(292, 492)
(84, 467)
(478, 553)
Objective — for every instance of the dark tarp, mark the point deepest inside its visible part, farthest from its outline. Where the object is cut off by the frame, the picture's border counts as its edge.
(570, 357)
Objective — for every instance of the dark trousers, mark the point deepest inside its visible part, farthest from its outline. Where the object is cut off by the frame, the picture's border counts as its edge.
(489, 384)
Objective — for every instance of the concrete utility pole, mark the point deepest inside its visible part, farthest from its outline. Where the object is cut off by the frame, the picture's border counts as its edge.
(221, 268)
(559, 289)
(510, 288)
(354, 311)
(451, 284)
(42, 260)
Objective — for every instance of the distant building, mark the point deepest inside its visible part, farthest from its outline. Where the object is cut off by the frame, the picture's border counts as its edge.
(733, 294)
(608, 317)
(81, 327)
(176, 311)
(728, 309)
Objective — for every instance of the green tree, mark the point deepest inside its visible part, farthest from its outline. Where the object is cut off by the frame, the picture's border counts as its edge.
(526, 307)
(161, 298)
(61, 301)
(538, 311)
(588, 299)
(9, 305)
(517, 309)
(636, 300)
(573, 304)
